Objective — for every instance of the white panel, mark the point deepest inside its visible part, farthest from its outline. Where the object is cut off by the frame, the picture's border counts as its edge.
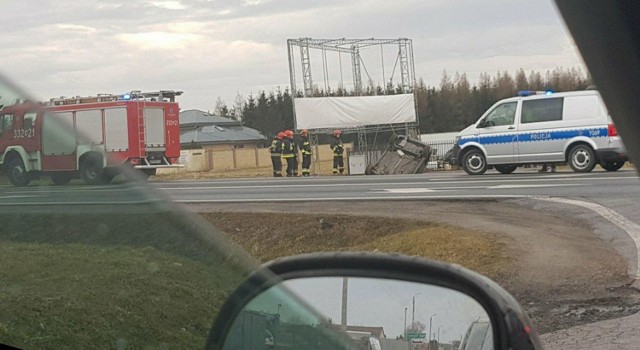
(116, 129)
(154, 127)
(581, 107)
(89, 127)
(58, 136)
(330, 112)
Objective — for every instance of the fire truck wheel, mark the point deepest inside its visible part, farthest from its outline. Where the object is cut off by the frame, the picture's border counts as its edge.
(18, 174)
(61, 179)
(91, 171)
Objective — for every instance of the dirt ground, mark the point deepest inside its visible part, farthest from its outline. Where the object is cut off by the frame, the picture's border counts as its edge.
(556, 266)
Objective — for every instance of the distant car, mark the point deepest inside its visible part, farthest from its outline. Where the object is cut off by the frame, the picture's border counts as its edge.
(479, 336)
(538, 127)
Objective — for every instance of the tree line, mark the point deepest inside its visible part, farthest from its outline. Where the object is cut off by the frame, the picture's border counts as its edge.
(451, 106)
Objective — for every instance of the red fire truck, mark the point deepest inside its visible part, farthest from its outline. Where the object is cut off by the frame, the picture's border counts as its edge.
(93, 138)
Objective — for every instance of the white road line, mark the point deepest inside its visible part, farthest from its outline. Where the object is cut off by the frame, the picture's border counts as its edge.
(408, 190)
(328, 199)
(501, 187)
(375, 184)
(630, 227)
(80, 203)
(21, 196)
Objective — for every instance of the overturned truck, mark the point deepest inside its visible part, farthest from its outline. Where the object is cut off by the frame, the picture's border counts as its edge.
(404, 155)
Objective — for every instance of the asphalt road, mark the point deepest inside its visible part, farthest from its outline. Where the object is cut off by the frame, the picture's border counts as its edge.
(613, 189)
(425, 186)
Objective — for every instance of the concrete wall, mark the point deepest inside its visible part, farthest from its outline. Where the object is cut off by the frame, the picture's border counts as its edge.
(220, 159)
(229, 147)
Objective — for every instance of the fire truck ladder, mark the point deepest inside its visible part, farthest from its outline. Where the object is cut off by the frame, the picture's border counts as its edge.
(134, 95)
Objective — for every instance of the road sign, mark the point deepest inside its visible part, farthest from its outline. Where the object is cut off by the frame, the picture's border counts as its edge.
(416, 336)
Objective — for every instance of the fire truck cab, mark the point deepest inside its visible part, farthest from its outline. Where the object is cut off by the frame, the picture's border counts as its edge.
(94, 138)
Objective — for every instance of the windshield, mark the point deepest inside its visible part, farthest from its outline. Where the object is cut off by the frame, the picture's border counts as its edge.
(167, 149)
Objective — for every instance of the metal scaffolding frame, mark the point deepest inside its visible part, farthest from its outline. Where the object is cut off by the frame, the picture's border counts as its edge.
(351, 47)
(404, 63)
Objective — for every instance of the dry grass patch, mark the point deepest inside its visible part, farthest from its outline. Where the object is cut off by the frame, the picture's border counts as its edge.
(268, 236)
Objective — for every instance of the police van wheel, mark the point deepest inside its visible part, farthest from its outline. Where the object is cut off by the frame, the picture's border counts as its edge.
(18, 175)
(612, 166)
(582, 159)
(474, 162)
(506, 168)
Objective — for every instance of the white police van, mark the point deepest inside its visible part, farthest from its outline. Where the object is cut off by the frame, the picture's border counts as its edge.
(541, 127)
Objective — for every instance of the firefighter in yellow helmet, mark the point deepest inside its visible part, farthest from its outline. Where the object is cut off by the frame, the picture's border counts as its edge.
(306, 153)
(276, 153)
(338, 153)
(289, 153)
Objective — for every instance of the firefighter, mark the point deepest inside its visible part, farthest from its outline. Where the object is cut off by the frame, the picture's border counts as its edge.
(306, 153)
(338, 153)
(288, 152)
(296, 150)
(276, 153)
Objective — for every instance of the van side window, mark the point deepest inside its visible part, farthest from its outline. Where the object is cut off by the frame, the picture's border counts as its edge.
(544, 110)
(503, 114)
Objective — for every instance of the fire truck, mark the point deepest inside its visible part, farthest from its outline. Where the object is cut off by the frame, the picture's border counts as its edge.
(94, 138)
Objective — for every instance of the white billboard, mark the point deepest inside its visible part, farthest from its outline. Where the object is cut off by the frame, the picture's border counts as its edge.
(353, 111)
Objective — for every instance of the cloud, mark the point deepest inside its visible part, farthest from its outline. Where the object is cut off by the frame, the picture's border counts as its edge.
(160, 40)
(169, 5)
(215, 48)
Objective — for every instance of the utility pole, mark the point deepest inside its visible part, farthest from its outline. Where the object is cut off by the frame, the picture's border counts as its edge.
(413, 312)
(405, 323)
(345, 293)
(430, 321)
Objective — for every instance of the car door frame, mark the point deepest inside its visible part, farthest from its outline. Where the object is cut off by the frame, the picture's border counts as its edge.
(499, 142)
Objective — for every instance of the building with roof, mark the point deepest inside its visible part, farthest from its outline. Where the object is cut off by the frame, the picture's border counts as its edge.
(199, 129)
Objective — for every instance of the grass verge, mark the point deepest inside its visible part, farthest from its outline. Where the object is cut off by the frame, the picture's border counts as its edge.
(268, 236)
(148, 280)
(135, 280)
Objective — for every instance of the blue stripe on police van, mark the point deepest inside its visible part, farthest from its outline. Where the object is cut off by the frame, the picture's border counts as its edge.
(535, 136)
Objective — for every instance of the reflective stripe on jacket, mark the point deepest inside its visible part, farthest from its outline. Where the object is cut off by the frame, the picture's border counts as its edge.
(306, 147)
(337, 147)
(275, 148)
(289, 148)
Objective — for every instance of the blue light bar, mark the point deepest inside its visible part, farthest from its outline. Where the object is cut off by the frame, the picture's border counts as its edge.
(525, 93)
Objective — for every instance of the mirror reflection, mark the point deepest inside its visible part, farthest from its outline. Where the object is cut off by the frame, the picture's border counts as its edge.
(360, 314)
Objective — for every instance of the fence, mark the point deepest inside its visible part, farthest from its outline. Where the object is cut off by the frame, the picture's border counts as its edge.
(438, 160)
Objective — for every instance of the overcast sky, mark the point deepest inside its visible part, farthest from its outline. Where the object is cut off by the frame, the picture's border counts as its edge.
(210, 48)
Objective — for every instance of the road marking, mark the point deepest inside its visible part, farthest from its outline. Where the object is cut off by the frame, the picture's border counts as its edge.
(327, 199)
(408, 190)
(148, 201)
(500, 187)
(630, 227)
(373, 184)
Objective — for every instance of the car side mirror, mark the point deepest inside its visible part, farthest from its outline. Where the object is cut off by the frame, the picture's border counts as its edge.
(369, 301)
